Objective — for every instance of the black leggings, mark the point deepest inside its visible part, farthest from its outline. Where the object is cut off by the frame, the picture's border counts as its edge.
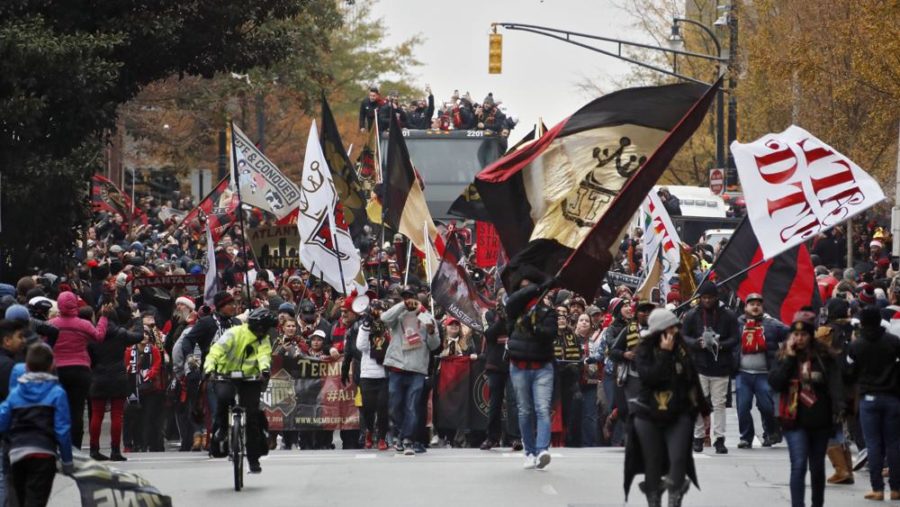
(374, 393)
(76, 381)
(661, 440)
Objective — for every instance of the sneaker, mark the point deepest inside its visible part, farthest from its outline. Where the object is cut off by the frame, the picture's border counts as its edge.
(720, 446)
(419, 448)
(398, 445)
(408, 448)
(530, 462)
(768, 441)
(382, 445)
(368, 442)
(487, 445)
(698, 445)
(543, 459)
(517, 445)
(255, 467)
(743, 444)
(435, 440)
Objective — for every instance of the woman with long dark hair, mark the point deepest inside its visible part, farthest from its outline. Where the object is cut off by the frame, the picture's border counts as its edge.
(663, 413)
(811, 399)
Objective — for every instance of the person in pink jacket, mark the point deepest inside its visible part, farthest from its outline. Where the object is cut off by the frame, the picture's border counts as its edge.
(73, 364)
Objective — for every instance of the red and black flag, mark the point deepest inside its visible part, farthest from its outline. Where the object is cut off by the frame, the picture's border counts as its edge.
(563, 200)
(106, 196)
(219, 208)
(787, 282)
(461, 395)
(452, 287)
(351, 194)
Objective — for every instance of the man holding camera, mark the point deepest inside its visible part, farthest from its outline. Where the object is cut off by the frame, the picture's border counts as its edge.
(413, 336)
(711, 333)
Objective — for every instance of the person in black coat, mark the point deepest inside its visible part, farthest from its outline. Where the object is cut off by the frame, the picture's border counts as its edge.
(496, 370)
(109, 385)
(368, 108)
(12, 342)
(420, 116)
(669, 401)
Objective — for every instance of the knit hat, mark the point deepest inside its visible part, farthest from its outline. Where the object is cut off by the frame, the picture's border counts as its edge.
(7, 290)
(869, 317)
(115, 249)
(287, 308)
(186, 302)
(660, 320)
(222, 298)
(708, 288)
(489, 100)
(837, 308)
(876, 243)
(866, 294)
(804, 320)
(615, 306)
(17, 312)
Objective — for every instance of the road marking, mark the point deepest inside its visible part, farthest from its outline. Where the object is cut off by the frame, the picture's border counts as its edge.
(364, 456)
(548, 489)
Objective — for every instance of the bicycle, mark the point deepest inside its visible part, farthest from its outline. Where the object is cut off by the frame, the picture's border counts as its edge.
(237, 432)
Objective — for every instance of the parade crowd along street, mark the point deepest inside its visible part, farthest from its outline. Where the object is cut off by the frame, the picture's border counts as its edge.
(404, 336)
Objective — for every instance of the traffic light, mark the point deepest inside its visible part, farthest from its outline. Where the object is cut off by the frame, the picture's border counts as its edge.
(495, 53)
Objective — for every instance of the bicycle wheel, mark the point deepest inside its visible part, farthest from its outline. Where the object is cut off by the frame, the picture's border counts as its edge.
(237, 451)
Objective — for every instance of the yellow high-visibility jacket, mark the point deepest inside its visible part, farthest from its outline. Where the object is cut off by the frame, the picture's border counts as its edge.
(238, 349)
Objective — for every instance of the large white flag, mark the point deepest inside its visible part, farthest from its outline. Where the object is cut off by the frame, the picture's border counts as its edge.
(326, 248)
(211, 285)
(262, 184)
(660, 240)
(796, 186)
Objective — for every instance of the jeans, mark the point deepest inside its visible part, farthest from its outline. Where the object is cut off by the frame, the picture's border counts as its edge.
(664, 443)
(404, 393)
(879, 415)
(589, 415)
(609, 392)
(717, 389)
(750, 385)
(497, 387)
(807, 450)
(534, 392)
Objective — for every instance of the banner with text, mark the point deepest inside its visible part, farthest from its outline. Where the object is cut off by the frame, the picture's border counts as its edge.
(276, 246)
(306, 394)
(103, 486)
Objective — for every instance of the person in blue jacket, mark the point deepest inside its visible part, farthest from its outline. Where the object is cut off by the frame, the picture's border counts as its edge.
(36, 428)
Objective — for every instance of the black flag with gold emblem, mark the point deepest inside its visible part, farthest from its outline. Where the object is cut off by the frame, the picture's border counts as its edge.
(546, 199)
(349, 189)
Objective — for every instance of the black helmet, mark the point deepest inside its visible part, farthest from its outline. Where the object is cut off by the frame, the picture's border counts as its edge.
(261, 320)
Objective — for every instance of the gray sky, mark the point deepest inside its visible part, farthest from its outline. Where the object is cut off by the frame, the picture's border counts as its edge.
(540, 74)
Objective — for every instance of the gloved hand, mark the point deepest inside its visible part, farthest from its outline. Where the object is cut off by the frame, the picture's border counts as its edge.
(266, 374)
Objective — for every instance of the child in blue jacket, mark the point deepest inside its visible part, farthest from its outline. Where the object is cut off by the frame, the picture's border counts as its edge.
(35, 424)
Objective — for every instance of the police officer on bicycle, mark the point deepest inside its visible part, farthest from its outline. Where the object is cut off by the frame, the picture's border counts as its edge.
(242, 352)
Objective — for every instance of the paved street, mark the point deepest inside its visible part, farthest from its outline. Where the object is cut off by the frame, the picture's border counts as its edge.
(461, 478)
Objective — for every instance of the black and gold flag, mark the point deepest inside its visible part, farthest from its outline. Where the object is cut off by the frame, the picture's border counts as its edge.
(350, 192)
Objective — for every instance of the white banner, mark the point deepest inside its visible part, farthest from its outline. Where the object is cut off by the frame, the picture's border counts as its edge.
(660, 238)
(326, 248)
(262, 184)
(796, 186)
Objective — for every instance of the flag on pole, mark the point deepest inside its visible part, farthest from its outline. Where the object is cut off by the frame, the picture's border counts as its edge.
(405, 209)
(324, 238)
(211, 287)
(218, 209)
(369, 161)
(796, 187)
(350, 191)
(106, 196)
(786, 282)
(660, 240)
(262, 184)
(686, 281)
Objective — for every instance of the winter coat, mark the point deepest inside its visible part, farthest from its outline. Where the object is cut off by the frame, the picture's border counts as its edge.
(495, 338)
(108, 377)
(238, 349)
(74, 334)
(352, 355)
(144, 368)
(420, 118)
(369, 367)
(709, 361)
(35, 418)
(774, 331)
(400, 353)
(205, 332)
(829, 389)
(7, 361)
(872, 361)
(367, 111)
(533, 325)
(384, 117)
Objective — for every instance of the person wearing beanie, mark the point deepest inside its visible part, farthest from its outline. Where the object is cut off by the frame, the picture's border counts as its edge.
(711, 334)
(808, 380)
(37, 330)
(622, 312)
(669, 401)
(835, 335)
(622, 351)
(872, 361)
(866, 294)
(760, 337)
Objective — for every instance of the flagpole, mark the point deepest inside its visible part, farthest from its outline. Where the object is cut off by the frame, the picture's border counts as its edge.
(385, 193)
(229, 144)
(428, 261)
(408, 256)
(723, 282)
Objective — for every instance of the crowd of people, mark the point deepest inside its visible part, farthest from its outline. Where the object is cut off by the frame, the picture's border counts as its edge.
(460, 112)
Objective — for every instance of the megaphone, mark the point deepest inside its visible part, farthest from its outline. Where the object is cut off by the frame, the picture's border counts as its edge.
(360, 304)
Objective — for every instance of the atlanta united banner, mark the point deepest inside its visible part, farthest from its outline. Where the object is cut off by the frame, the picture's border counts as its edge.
(461, 396)
(796, 186)
(262, 184)
(103, 486)
(307, 394)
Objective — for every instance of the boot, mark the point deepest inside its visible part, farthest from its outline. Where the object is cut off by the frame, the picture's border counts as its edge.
(878, 496)
(368, 442)
(654, 498)
(204, 441)
(115, 455)
(97, 456)
(198, 442)
(676, 493)
(842, 473)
